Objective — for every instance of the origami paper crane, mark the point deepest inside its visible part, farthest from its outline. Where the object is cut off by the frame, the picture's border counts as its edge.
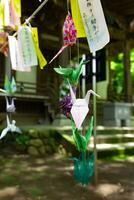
(69, 35)
(81, 140)
(3, 91)
(10, 86)
(80, 108)
(72, 74)
(10, 107)
(83, 168)
(11, 127)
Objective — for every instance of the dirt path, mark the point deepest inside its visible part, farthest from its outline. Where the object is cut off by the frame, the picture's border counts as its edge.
(25, 178)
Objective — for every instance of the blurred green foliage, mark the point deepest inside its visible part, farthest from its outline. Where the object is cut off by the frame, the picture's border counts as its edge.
(117, 69)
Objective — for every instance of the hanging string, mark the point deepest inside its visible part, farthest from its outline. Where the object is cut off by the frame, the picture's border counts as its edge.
(28, 20)
(68, 3)
(36, 11)
(78, 56)
(68, 11)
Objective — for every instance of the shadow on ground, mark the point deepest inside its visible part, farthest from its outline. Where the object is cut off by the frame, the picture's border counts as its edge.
(26, 178)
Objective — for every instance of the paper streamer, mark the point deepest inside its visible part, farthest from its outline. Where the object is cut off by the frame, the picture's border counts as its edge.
(1, 14)
(26, 47)
(77, 19)
(41, 58)
(6, 13)
(94, 23)
(15, 56)
(15, 12)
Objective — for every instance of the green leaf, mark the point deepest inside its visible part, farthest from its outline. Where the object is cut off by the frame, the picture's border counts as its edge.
(80, 140)
(89, 130)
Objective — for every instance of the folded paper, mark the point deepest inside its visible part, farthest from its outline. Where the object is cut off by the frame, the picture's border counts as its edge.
(15, 55)
(10, 106)
(26, 47)
(66, 104)
(72, 74)
(15, 12)
(80, 108)
(10, 86)
(11, 127)
(1, 13)
(4, 43)
(10, 12)
(83, 168)
(81, 140)
(77, 19)
(94, 23)
(69, 35)
(41, 58)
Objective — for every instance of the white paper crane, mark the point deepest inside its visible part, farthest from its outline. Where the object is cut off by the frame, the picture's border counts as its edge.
(10, 107)
(80, 108)
(3, 91)
(10, 127)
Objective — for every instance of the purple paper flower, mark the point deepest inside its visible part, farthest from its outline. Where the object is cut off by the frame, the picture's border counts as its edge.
(66, 104)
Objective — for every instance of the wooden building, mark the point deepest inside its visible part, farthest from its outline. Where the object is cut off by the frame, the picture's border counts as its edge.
(38, 92)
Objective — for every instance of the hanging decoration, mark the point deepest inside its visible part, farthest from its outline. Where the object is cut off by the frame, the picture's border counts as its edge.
(88, 20)
(10, 86)
(80, 139)
(26, 47)
(11, 127)
(15, 56)
(10, 107)
(66, 103)
(9, 89)
(3, 40)
(20, 50)
(10, 13)
(84, 165)
(77, 19)
(76, 110)
(15, 12)
(25, 51)
(94, 24)
(83, 168)
(69, 35)
(72, 75)
(41, 59)
(80, 108)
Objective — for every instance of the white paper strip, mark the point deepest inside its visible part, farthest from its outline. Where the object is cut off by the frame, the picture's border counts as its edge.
(26, 47)
(94, 23)
(15, 56)
(6, 13)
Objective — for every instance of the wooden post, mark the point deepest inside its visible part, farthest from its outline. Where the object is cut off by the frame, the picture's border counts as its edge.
(95, 116)
(127, 73)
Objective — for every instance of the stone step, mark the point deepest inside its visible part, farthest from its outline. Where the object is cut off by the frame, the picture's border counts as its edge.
(111, 147)
(108, 150)
(109, 141)
(114, 138)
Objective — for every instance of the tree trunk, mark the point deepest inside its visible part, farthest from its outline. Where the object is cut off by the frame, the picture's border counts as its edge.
(127, 73)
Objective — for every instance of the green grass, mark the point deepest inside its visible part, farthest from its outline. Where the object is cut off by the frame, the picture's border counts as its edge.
(35, 191)
(8, 180)
(120, 157)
